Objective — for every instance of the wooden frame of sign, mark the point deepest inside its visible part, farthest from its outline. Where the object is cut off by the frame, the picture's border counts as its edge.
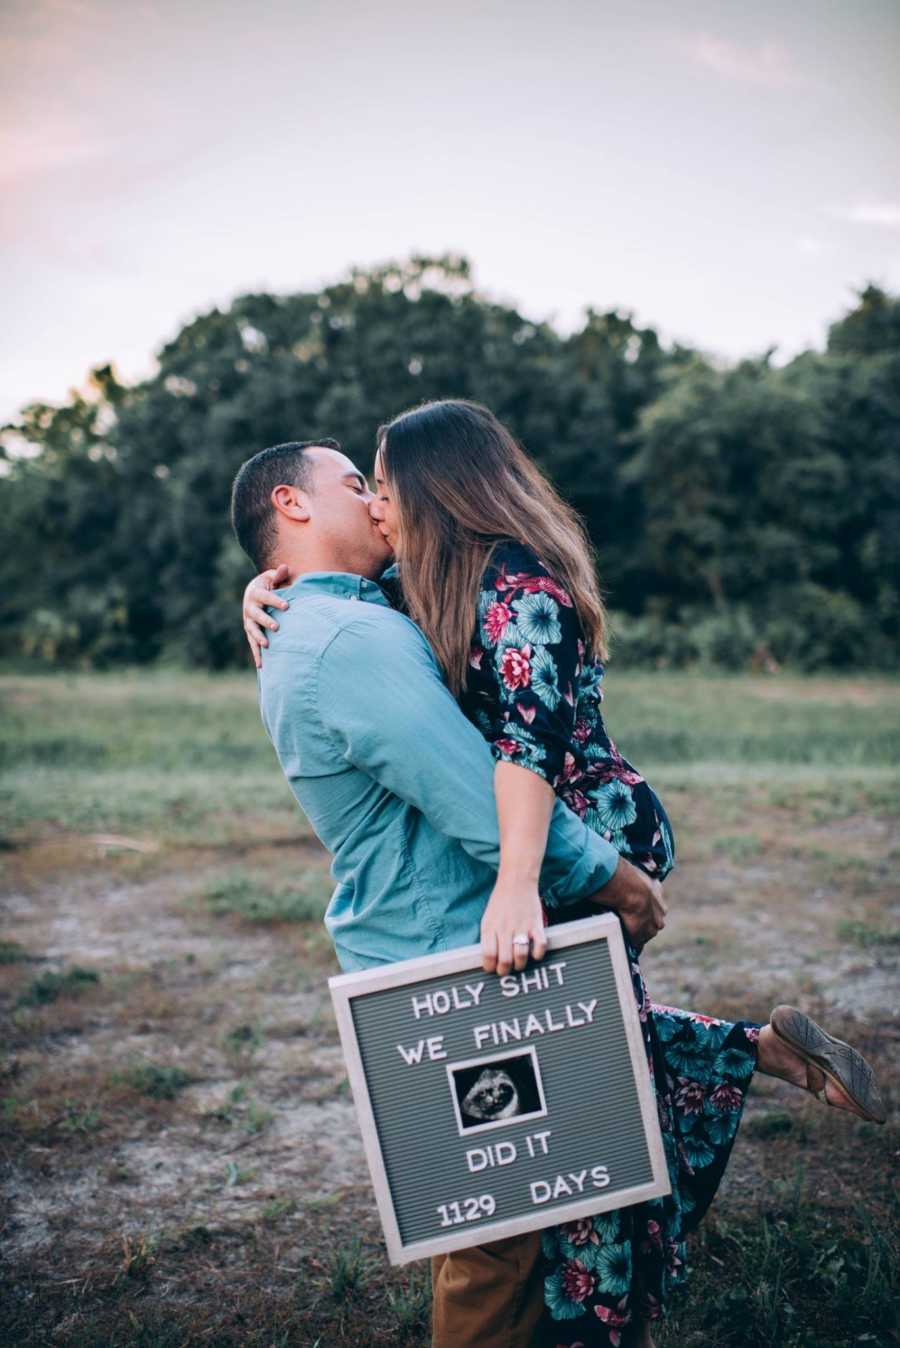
(493, 1106)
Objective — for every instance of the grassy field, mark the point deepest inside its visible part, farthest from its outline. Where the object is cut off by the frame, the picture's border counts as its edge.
(180, 1161)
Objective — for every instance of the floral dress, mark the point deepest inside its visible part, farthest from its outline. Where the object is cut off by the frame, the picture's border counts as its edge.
(536, 697)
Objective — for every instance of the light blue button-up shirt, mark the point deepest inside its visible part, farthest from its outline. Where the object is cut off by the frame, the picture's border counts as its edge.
(394, 779)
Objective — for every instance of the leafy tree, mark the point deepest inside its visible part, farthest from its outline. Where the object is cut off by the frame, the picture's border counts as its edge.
(731, 509)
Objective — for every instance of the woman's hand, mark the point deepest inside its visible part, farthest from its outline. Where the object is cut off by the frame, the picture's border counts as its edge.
(514, 909)
(261, 592)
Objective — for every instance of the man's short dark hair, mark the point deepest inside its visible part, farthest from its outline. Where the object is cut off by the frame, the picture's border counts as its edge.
(252, 512)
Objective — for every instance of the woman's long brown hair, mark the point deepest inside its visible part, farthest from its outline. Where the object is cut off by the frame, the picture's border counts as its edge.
(462, 484)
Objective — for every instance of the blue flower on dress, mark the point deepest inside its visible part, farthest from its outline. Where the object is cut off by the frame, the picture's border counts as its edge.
(581, 1239)
(688, 1058)
(606, 1225)
(544, 676)
(616, 836)
(696, 1151)
(537, 616)
(733, 1062)
(667, 1024)
(511, 637)
(614, 806)
(722, 1128)
(612, 1265)
(668, 842)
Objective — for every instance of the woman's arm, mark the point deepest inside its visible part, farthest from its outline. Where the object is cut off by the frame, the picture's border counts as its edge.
(524, 805)
(258, 595)
(532, 646)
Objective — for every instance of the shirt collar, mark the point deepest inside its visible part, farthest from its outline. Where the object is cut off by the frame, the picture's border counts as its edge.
(339, 584)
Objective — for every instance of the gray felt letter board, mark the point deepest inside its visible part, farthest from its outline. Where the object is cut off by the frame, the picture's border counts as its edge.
(489, 1105)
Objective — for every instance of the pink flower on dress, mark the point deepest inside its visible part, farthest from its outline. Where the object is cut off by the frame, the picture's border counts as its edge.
(551, 587)
(476, 655)
(581, 731)
(520, 580)
(616, 1318)
(689, 1097)
(752, 1033)
(654, 1233)
(704, 1020)
(618, 769)
(569, 770)
(516, 667)
(508, 746)
(580, 1232)
(577, 1282)
(576, 800)
(496, 620)
(726, 1098)
(527, 713)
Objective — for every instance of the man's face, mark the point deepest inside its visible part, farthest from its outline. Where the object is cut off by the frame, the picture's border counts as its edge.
(339, 501)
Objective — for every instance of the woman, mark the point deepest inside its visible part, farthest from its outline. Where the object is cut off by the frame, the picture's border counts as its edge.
(497, 572)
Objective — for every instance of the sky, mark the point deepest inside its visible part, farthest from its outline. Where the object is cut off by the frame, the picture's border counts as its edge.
(729, 173)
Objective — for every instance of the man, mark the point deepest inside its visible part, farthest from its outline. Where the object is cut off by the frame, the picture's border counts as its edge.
(398, 785)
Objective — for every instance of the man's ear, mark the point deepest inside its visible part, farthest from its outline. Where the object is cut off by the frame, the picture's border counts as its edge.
(291, 502)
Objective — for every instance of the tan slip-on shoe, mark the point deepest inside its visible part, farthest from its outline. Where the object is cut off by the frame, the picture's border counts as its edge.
(839, 1062)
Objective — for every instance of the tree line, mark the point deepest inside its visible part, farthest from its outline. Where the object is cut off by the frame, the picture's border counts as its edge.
(741, 515)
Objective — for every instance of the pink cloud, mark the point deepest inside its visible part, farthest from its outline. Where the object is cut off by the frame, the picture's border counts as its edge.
(767, 63)
(28, 151)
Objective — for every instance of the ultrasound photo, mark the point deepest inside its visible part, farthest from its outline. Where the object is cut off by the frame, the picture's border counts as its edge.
(496, 1091)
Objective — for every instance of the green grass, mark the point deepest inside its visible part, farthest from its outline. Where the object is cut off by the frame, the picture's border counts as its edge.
(795, 1278)
(738, 846)
(867, 935)
(181, 756)
(155, 1080)
(244, 895)
(11, 952)
(680, 719)
(49, 986)
(184, 757)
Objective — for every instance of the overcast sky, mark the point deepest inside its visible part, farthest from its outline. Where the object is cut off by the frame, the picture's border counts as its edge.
(729, 172)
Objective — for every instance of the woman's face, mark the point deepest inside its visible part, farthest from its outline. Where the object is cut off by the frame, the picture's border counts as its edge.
(383, 508)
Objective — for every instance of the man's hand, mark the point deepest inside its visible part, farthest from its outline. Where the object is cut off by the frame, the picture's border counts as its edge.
(638, 901)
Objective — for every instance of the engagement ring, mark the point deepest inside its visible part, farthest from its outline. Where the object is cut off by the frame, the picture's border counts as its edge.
(521, 939)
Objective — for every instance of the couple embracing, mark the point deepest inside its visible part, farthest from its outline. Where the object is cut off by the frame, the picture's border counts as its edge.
(433, 690)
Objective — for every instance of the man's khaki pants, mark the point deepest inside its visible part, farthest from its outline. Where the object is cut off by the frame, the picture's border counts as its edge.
(491, 1296)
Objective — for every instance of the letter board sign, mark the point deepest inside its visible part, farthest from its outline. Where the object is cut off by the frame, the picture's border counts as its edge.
(490, 1106)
